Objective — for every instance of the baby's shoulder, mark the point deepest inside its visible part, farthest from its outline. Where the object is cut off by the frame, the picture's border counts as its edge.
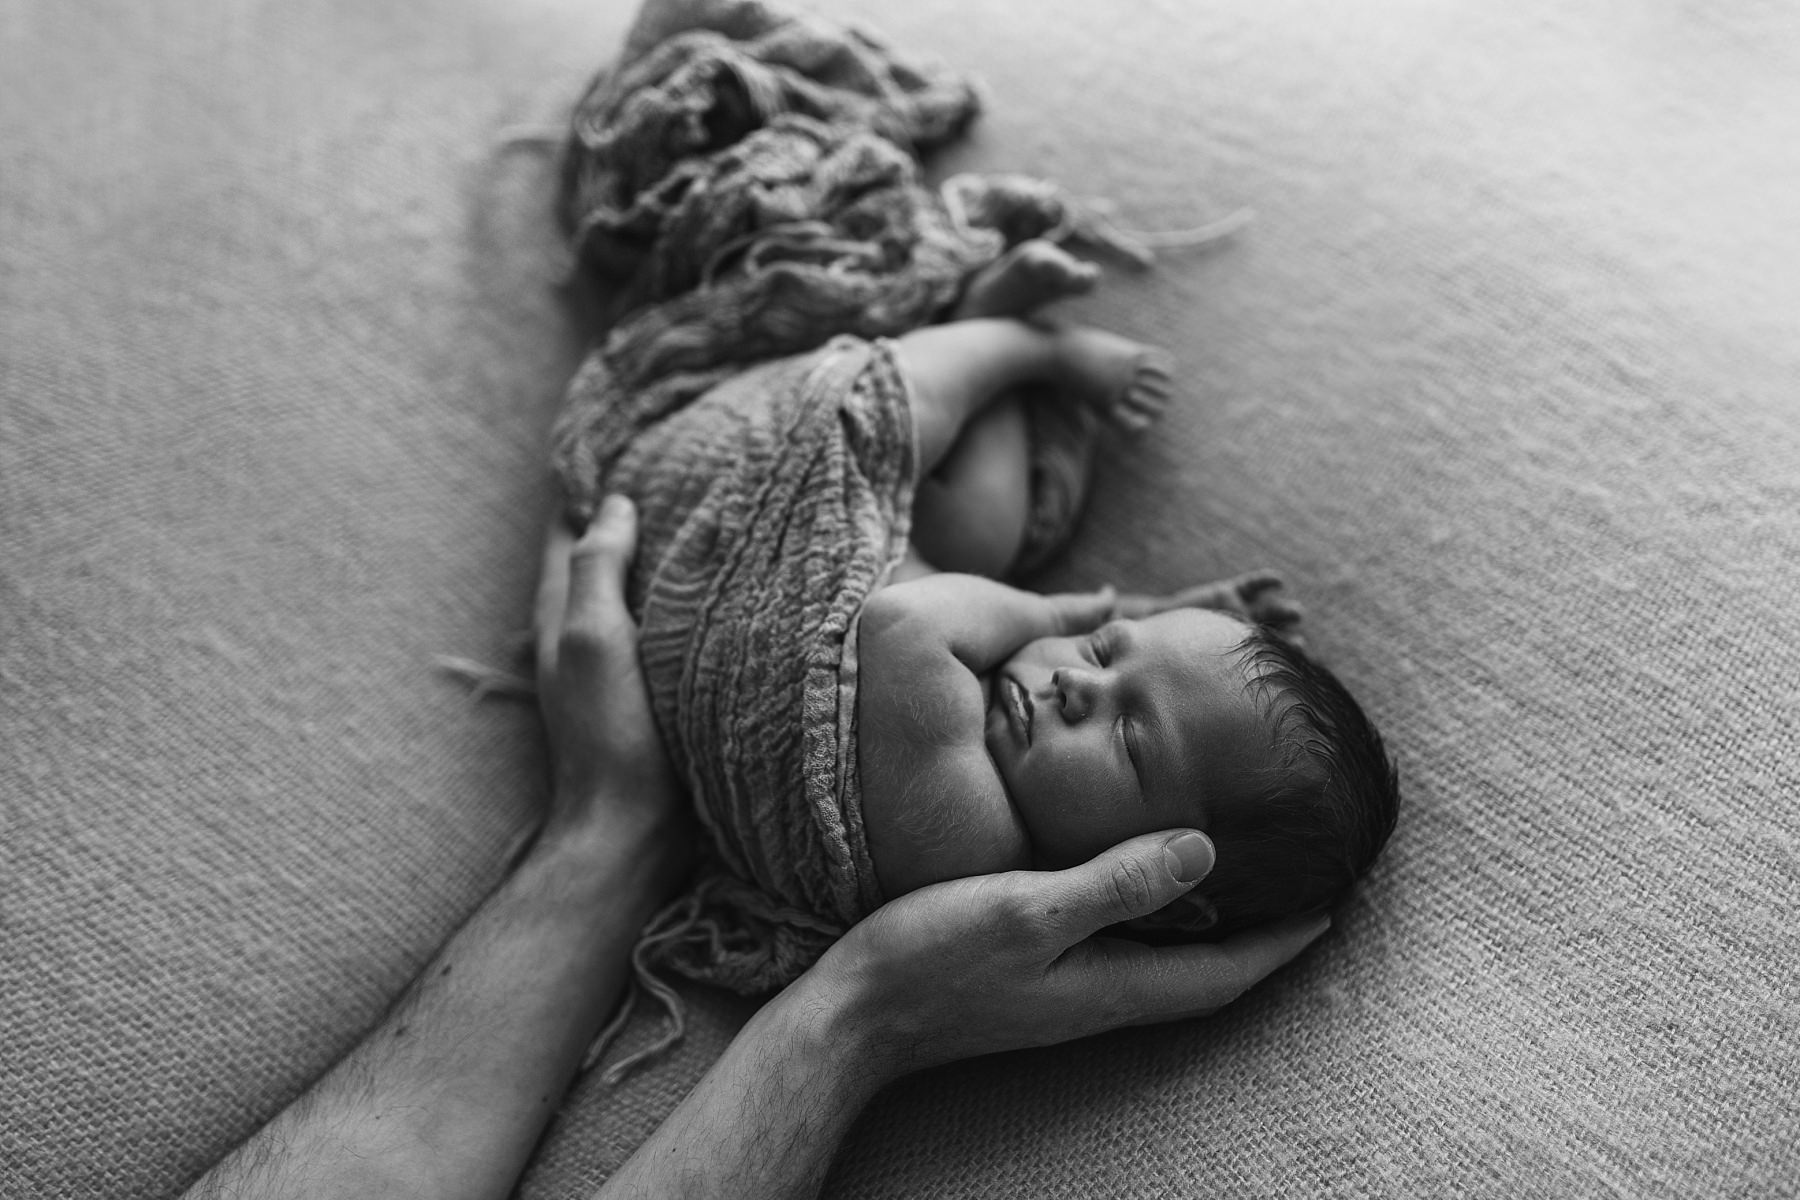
(912, 689)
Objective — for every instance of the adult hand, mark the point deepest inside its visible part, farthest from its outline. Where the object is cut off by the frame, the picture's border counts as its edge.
(1001, 962)
(607, 759)
(957, 969)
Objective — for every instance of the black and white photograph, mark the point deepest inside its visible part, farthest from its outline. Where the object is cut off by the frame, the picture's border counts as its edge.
(973, 599)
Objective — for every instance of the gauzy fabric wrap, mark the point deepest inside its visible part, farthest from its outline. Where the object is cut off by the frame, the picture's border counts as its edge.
(743, 194)
(770, 507)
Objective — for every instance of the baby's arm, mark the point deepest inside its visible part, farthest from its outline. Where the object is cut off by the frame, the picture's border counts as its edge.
(1254, 596)
(928, 627)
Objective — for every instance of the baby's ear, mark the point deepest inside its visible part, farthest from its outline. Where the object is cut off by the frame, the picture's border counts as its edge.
(1192, 913)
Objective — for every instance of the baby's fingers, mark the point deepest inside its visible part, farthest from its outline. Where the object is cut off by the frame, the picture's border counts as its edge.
(1146, 395)
(1255, 583)
(1277, 613)
(1139, 408)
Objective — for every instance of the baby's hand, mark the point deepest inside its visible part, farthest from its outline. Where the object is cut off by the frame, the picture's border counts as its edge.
(1253, 596)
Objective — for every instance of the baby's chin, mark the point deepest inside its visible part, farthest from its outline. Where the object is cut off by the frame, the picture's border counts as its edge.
(1002, 744)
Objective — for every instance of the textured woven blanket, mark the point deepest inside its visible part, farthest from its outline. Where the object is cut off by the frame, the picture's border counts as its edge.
(741, 187)
(772, 505)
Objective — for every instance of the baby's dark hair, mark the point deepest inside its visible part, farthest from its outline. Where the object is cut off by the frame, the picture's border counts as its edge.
(1325, 811)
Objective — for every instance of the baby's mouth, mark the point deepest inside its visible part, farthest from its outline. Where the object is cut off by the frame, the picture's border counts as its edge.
(1018, 702)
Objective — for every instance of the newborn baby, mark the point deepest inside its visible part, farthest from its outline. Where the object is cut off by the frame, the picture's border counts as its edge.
(1002, 729)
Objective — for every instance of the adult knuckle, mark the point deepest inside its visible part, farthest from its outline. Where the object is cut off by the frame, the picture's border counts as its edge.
(1116, 1010)
(1132, 887)
(1015, 916)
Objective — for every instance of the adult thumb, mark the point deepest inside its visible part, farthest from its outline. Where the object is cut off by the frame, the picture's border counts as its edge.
(1137, 877)
(600, 560)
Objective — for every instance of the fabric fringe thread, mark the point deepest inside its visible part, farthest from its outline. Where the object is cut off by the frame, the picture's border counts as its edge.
(709, 925)
(484, 681)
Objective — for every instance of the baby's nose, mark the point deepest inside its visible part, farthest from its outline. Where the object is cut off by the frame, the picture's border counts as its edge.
(1074, 692)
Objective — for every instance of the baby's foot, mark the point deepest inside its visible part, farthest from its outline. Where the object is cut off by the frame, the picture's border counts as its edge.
(1025, 278)
(1127, 382)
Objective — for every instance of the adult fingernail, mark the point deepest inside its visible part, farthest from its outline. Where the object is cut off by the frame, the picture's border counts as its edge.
(1189, 856)
(614, 506)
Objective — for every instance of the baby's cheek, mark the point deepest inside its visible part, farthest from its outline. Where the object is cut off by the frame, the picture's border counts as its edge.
(1069, 828)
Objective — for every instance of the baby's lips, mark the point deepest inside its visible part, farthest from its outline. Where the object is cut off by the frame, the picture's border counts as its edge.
(1017, 703)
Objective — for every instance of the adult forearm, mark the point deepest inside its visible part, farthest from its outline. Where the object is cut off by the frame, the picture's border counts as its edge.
(448, 1095)
(768, 1118)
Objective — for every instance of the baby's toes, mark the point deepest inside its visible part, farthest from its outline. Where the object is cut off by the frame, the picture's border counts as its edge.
(1146, 396)
(1155, 370)
(1136, 413)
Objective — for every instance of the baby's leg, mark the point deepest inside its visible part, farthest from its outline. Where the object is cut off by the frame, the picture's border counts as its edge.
(970, 513)
(955, 371)
(975, 490)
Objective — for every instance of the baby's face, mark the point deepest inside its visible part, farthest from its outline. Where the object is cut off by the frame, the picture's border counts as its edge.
(1140, 726)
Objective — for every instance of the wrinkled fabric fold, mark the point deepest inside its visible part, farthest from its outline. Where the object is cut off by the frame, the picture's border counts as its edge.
(771, 506)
